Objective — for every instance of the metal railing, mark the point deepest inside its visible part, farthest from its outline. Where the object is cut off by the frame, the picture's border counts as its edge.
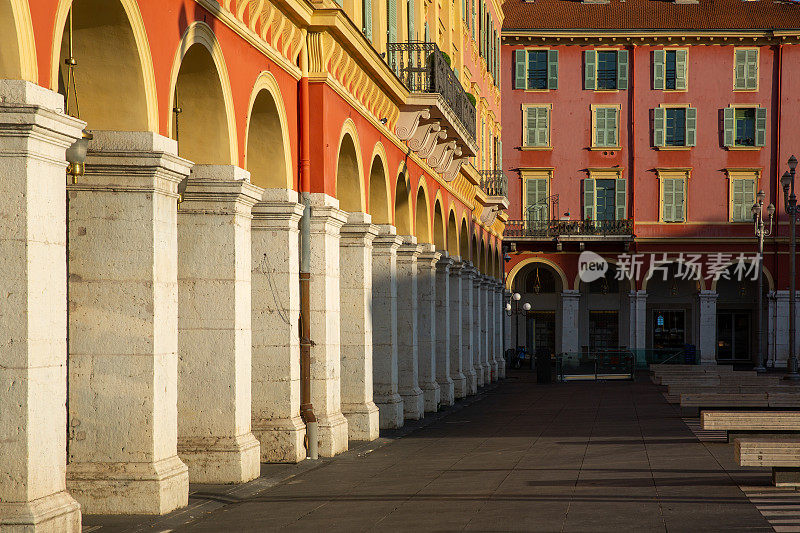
(600, 365)
(423, 69)
(555, 228)
(494, 183)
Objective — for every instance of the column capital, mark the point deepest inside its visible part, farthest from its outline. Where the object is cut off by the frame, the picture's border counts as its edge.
(707, 295)
(456, 266)
(358, 230)
(29, 108)
(571, 294)
(219, 189)
(445, 263)
(274, 212)
(408, 248)
(428, 255)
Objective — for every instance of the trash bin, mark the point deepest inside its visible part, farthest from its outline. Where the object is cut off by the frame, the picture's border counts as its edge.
(543, 371)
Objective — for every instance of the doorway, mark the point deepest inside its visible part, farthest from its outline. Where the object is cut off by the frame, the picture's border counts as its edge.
(603, 330)
(541, 331)
(669, 328)
(734, 335)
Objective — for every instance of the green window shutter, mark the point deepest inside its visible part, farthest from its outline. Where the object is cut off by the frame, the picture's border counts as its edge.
(519, 69)
(620, 199)
(691, 126)
(738, 200)
(761, 126)
(391, 21)
(679, 199)
(751, 70)
(611, 127)
(529, 118)
(542, 126)
(740, 67)
(729, 125)
(622, 69)
(588, 199)
(499, 154)
(552, 69)
(680, 70)
(590, 70)
(600, 126)
(659, 68)
(366, 13)
(668, 205)
(412, 30)
(748, 197)
(659, 122)
(536, 194)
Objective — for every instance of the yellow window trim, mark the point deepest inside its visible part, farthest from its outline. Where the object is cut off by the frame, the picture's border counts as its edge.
(607, 173)
(535, 148)
(743, 148)
(673, 173)
(593, 143)
(532, 49)
(549, 145)
(686, 90)
(758, 69)
(534, 173)
(741, 174)
(673, 106)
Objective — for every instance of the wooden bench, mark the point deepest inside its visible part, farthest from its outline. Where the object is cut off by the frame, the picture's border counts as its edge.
(708, 377)
(692, 404)
(673, 394)
(782, 455)
(740, 424)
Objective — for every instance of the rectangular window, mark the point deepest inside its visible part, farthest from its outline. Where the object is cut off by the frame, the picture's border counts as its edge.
(605, 127)
(669, 69)
(745, 69)
(675, 134)
(604, 195)
(536, 121)
(670, 74)
(745, 127)
(537, 209)
(743, 196)
(607, 70)
(674, 126)
(745, 124)
(673, 199)
(537, 69)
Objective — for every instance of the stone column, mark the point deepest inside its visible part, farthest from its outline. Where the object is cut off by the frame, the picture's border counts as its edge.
(489, 373)
(707, 342)
(33, 329)
(355, 280)
(214, 337)
(384, 327)
(123, 327)
(442, 313)
(570, 306)
(491, 353)
(468, 272)
(426, 326)
(407, 349)
(460, 389)
(641, 320)
(498, 329)
(275, 280)
(478, 339)
(326, 222)
(779, 328)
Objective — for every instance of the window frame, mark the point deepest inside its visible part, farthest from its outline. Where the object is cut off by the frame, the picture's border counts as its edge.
(758, 69)
(685, 146)
(549, 146)
(738, 174)
(593, 141)
(527, 50)
(597, 70)
(543, 173)
(664, 174)
(617, 50)
(755, 127)
(612, 174)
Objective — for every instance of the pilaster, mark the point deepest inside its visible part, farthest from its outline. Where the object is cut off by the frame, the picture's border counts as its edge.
(708, 327)
(570, 306)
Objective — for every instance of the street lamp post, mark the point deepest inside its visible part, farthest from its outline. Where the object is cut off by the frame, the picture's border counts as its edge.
(515, 298)
(761, 232)
(790, 206)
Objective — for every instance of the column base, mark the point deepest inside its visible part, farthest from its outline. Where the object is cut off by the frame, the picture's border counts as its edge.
(221, 459)
(413, 404)
(493, 372)
(501, 368)
(460, 388)
(130, 488)
(487, 372)
(55, 513)
(390, 410)
(431, 395)
(282, 440)
(363, 421)
(472, 382)
(447, 392)
(479, 376)
(332, 434)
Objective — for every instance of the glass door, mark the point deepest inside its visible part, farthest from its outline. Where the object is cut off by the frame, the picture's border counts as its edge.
(669, 329)
(604, 190)
(734, 335)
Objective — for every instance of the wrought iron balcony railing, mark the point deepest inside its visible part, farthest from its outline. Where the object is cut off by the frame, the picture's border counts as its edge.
(423, 68)
(558, 228)
(494, 183)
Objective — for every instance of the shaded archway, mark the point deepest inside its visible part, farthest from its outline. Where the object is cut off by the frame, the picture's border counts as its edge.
(452, 234)
(422, 215)
(737, 312)
(463, 241)
(18, 53)
(481, 262)
(473, 252)
(402, 206)
(540, 283)
(114, 76)
(348, 176)
(379, 195)
(205, 128)
(673, 313)
(268, 153)
(439, 238)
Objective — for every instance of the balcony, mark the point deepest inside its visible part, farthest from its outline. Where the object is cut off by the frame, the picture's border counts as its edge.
(438, 120)
(569, 229)
(494, 183)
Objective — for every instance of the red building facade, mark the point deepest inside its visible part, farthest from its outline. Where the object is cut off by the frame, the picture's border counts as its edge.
(643, 134)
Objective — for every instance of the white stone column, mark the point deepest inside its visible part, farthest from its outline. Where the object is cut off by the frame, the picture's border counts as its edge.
(468, 273)
(489, 373)
(355, 284)
(707, 344)
(478, 340)
(326, 222)
(214, 316)
(275, 280)
(123, 327)
(442, 314)
(33, 317)
(384, 327)
(570, 306)
(426, 326)
(640, 338)
(407, 348)
(491, 354)
(498, 330)
(779, 328)
(460, 389)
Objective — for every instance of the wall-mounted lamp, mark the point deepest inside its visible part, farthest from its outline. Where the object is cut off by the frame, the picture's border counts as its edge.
(76, 156)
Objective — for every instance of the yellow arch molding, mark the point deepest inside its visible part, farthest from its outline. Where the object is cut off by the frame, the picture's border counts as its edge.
(349, 128)
(767, 275)
(577, 285)
(402, 173)
(701, 284)
(267, 82)
(142, 47)
(522, 264)
(424, 186)
(25, 41)
(201, 33)
(452, 211)
(378, 151)
(439, 200)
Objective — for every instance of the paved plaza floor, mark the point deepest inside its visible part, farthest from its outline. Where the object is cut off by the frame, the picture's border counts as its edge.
(585, 456)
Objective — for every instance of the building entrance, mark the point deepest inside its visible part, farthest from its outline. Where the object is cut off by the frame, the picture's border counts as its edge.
(541, 331)
(603, 330)
(669, 328)
(734, 335)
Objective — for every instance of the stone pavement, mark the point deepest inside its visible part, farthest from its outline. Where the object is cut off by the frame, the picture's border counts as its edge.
(519, 457)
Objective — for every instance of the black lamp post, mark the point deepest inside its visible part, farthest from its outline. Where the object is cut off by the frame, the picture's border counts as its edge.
(515, 298)
(790, 206)
(761, 231)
